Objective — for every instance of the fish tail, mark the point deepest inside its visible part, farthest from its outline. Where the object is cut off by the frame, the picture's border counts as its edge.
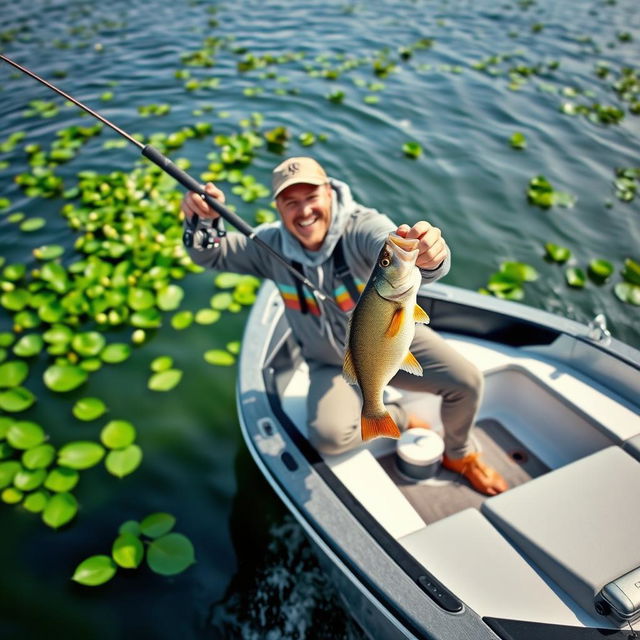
(380, 425)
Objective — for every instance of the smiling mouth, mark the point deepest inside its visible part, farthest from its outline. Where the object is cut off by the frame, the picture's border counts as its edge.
(307, 222)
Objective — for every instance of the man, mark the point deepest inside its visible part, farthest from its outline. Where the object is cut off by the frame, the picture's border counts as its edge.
(336, 242)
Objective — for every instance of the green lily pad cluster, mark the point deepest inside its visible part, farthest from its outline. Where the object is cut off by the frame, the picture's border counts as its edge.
(10, 143)
(599, 271)
(167, 553)
(596, 112)
(508, 282)
(626, 183)
(34, 473)
(165, 377)
(542, 194)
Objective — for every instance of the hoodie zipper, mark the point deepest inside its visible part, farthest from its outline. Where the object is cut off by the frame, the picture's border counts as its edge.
(323, 315)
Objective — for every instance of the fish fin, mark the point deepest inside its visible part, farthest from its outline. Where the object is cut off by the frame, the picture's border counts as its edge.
(348, 370)
(420, 315)
(380, 426)
(411, 365)
(396, 323)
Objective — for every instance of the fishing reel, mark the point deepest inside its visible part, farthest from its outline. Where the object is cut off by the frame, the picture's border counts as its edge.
(201, 235)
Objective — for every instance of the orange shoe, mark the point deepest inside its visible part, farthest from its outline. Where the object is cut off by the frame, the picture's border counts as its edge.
(416, 422)
(482, 477)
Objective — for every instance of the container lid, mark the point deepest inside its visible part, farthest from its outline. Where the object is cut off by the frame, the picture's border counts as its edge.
(420, 446)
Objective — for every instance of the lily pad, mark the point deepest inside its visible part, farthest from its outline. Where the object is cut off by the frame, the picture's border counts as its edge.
(575, 277)
(161, 363)
(29, 479)
(115, 352)
(24, 434)
(15, 300)
(519, 271)
(81, 454)
(39, 457)
(170, 554)
(165, 380)
(412, 149)
(36, 502)
(61, 479)
(11, 495)
(170, 297)
(13, 373)
(157, 524)
(61, 508)
(122, 462)
(64, 377)
(130, 526)
(628, 292)
(221, 301)
(631, 271)
(118, 434)
(89, 343)
(140, 299)
(207, 316)
(227, 280)
(32, 224)
(219, 357)
(600, 270)
(557, 253)
(95, 571)
(89, 408)
(16, 400)
(29, 345)
(127, 551)
(518, 140)
(182, 320)
(48, 252)
(146, 319)
(8, 470)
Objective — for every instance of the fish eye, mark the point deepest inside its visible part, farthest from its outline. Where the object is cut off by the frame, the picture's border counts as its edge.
(385, 261)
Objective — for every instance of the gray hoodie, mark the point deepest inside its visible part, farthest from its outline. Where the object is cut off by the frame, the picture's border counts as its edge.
(321, 332)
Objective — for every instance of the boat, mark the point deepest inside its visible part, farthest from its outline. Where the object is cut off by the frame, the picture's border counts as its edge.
(557, 556)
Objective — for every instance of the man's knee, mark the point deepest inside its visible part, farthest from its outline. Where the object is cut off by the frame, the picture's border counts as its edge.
(468, 381)
(335, 437)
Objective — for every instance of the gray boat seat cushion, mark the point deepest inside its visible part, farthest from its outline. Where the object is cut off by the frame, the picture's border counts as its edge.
(467, 554)
(580, 523)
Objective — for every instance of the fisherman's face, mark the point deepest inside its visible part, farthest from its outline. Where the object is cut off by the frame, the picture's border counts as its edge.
(306, 213)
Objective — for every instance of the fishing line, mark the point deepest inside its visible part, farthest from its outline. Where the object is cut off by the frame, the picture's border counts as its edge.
(185, 180)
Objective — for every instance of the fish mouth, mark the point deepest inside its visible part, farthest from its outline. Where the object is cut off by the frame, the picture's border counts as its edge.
(404, 248)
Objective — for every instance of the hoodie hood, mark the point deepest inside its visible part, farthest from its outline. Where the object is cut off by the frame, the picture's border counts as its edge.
(342, 205)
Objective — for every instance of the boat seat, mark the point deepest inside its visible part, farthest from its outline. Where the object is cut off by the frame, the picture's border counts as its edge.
(467, 554)
(370, 484)
(580, 524)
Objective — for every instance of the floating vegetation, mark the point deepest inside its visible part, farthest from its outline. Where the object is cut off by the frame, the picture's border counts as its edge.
(412, 149)
(596, 112)
(629, 289)
(556, 253)
(626, 183)
(167, 553)
(508, 282)
(542, 194)
(518, 140)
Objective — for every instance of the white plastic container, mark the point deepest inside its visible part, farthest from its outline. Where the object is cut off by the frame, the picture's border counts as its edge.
(419, 453)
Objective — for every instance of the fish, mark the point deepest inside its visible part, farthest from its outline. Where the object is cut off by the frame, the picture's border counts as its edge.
(381, 329)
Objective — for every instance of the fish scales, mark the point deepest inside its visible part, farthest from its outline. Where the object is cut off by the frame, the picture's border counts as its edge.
(381, 330)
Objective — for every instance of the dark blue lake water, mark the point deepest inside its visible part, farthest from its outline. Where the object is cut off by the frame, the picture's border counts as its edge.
(458, 78)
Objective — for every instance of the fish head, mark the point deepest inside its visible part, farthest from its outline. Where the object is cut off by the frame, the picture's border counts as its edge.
(395, 274)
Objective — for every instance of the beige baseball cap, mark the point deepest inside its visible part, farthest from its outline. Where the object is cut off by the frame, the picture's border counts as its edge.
(296, 171)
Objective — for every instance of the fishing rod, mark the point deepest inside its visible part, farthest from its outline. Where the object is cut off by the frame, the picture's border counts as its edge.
(185, 180)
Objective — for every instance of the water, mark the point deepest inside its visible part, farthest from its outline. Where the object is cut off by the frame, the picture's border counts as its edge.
(254, 576)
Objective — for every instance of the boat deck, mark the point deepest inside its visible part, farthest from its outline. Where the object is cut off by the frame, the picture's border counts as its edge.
(448, 492)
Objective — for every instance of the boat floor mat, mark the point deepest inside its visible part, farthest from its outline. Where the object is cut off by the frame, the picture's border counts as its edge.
(448, 492)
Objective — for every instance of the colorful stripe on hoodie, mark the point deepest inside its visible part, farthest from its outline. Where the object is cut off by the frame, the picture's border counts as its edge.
(344, 299)
(291, 300)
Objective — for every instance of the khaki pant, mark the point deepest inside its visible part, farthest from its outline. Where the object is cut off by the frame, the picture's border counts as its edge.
(334, 405)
